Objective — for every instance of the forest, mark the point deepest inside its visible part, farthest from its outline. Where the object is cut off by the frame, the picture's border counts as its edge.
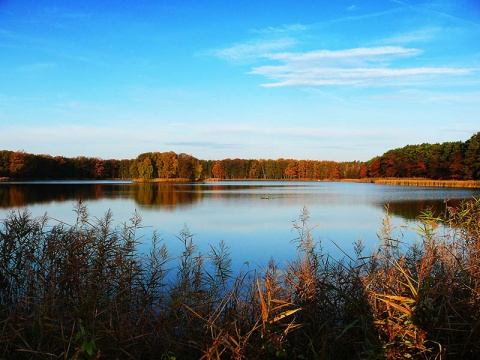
(445, 161)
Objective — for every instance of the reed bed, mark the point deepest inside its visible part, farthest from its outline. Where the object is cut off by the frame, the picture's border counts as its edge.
(85, 291)
(429, 182)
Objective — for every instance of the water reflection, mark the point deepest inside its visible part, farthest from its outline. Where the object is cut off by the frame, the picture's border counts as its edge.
(13, 195)
(411, 209)
(253, 218)
(165, 195)
(23, 194)
(403, 202)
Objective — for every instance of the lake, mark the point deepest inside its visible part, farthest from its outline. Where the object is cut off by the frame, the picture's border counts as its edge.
(254, 218)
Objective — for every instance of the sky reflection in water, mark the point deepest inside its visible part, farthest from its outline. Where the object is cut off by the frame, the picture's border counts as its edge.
(255, 219)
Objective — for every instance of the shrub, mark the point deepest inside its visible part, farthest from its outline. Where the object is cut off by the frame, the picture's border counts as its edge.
(86, 291)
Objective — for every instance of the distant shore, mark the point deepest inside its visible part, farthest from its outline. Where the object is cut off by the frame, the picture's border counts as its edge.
(162, 180)
(418, 182)
(379, 181)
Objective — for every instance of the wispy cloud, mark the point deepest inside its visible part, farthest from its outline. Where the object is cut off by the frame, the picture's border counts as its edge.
(364, 54)
(206, 144)
(430, 9)
(305, 132)
(366, 16)
(324, 94)
(421, 35)
(362, 66)
(341, 67)
(280, 29)
(254, 50)
(340, 76)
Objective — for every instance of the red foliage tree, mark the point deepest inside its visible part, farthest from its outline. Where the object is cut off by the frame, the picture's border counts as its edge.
(218, 170)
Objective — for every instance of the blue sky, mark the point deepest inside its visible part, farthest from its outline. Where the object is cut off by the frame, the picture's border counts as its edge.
(334, 80)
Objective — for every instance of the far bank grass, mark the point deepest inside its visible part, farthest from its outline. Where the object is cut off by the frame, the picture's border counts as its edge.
(429, 182)
(418, 182)
(161, 180)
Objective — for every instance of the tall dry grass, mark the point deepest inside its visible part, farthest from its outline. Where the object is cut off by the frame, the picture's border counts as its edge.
(429, 182)
(85, 291)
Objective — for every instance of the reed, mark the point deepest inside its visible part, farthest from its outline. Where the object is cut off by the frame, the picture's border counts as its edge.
(429, 182)
(85, 291)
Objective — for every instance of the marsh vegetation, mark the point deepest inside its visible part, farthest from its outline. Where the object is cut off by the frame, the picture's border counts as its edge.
(84, 290)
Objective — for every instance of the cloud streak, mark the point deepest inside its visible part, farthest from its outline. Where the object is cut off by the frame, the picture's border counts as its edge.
(361, 66)
(311, 76)
(253, 50)
(206, 144)
(313, 133)
(422, 35)
(281, 29)
(363, 53)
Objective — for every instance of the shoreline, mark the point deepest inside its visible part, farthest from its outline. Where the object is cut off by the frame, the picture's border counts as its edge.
(380, 181)
(429, 182)
(468, 184)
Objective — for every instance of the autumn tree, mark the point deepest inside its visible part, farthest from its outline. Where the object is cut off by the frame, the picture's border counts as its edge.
(5, 163)
(363, 172)
(261, 164)
(291, 169)
(19, 164)
(351, 169)
(197, 170)
(237, 168)
(189, 167)
(99, 171)
(124, 169)
(388, 165)
(472, 157)
(145, 169)
(218, 171)
(84, 167)
(133, 170)
(270, 169)
(167, 165)
(302, 169)
(333, 170)
(456, 167)
(112, 167)
(374, 168)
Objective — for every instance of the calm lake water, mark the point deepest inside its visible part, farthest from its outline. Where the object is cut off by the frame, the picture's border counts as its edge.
(255, 219)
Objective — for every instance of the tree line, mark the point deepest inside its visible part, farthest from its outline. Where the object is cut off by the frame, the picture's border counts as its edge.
(449, 160)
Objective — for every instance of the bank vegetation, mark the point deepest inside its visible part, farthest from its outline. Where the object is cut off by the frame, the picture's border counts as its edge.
(86, 291)
(429, 182)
